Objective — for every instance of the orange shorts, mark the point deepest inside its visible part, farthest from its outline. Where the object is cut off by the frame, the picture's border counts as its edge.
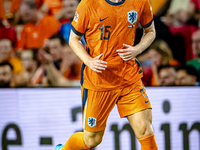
(97, 105)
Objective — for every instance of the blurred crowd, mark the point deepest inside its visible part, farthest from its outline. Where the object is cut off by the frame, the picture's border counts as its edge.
(34, 48)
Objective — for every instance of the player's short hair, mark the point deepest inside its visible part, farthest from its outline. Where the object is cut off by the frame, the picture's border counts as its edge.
(59, 36)
(30, 3)
(6, 63)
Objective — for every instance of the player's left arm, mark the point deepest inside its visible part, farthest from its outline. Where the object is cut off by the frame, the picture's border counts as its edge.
(132, 51)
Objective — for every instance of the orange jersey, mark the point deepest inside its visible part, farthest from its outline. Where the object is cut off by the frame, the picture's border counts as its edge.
(2, 11)
(14, 7)
(74, 72)
(54, 6)
(107, 25)
(34, 36)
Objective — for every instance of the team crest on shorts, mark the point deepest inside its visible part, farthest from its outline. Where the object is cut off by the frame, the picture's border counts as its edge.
(132, 16)
(92, 121)
(76, 17)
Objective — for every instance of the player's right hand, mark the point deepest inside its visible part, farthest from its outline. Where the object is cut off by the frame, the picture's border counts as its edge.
(96, 64)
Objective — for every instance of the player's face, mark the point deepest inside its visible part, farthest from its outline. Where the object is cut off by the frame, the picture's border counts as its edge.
(196, 43)
(155, 57)
(70, 7)
(184, 79)
(5, 75)
(55, 49)
(5, 49)
(167, 76)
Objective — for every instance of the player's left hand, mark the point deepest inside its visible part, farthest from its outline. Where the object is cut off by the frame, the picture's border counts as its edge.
(128, 53)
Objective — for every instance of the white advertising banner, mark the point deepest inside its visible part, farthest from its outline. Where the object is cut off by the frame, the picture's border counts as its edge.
(39, 119)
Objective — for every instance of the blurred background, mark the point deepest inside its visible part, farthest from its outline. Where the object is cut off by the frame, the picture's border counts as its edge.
(34, 48)
(34, 52)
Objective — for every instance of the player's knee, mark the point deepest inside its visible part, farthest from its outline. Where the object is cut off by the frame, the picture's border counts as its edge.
(145, 130)
(92, 140)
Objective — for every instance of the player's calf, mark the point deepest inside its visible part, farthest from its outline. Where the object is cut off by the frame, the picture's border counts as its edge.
(141, 123)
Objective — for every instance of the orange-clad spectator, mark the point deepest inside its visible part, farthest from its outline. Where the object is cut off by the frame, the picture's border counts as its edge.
(2, 11)
(67, 11)
(51, 7)
(15, 5)
(38, 29)
(14, 9)
(3, 19)
(64, 58)
(62, 66)
(71, 64)
(9, 11)
(7, 55)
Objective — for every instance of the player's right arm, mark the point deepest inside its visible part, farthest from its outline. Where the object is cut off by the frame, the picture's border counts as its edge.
(94, 64)
(80, 24)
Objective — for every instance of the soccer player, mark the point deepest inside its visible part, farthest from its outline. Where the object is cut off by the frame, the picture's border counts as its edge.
(111, 74)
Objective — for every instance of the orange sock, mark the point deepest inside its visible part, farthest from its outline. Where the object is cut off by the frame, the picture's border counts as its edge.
(75, 142)
(148, 143)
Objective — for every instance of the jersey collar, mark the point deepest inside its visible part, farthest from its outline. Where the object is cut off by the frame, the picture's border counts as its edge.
(115, 4)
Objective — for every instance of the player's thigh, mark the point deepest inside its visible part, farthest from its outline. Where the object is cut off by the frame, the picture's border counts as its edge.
(97, 106)
(141, 123)
(135, 105)
(133, 99)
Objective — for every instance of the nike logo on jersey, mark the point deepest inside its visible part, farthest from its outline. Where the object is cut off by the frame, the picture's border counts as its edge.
(102, 19)
(146, 101)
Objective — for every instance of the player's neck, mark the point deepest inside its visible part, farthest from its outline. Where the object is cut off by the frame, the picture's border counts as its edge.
(115, 1)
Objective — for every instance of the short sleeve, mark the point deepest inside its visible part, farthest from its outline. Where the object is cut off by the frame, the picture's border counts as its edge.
(147, 15)
(81, 19)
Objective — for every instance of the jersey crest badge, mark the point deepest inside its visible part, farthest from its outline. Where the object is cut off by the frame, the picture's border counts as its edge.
(132, 16)
(92, 121)
(76, 17)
